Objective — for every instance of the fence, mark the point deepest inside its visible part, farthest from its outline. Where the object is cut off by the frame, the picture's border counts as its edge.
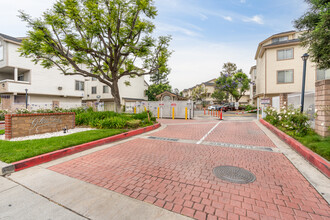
(294, 99)
(163, 109)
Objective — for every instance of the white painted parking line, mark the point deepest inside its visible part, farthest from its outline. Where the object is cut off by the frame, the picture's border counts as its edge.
(202, 139)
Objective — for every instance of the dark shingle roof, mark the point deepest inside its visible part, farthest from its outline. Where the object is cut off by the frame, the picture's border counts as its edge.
(283, 42)
(10, 38)
(285, 32)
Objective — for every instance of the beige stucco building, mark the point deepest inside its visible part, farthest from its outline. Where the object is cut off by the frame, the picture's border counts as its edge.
(279, 67)
(208, 86)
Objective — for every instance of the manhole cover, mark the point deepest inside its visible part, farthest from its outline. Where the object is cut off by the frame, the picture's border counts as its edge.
(234, 174)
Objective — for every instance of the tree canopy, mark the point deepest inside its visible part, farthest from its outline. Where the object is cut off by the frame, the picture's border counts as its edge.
(233, 82)
(199, 93)
(156, 89)
(316, 36)
(105, 39)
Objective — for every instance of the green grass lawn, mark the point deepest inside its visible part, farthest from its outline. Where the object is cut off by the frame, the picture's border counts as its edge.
(2, 131)
(313, 141)
(11, 151)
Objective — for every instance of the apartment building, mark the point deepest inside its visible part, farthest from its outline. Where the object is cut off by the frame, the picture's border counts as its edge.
(45, 88)
(209, 87)
(279, 67)
(131, 90)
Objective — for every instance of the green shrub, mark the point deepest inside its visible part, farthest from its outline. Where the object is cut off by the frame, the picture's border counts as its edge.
(133, 123)
(2, 114)
(114, 122)
(290, 119)
(250, 107)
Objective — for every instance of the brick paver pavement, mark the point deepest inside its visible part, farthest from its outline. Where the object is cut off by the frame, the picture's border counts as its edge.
(178, 177)
(246, 133)
(185, 131)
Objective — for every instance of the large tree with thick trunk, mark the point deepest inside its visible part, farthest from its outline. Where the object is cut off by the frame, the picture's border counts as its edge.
(105, 39)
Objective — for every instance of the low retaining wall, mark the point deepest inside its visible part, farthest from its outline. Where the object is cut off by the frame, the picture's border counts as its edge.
(20, 125)
(316, 160)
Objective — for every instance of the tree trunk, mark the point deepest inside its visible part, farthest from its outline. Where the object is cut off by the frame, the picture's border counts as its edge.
(116, 96)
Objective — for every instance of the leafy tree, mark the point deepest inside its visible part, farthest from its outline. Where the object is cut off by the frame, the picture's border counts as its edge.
(316, 36)
(199, 93)
(219, 95)
(176, 91)
(228, 69)
(105, 39)
(160, 75)
(156, 89)
(235, 84)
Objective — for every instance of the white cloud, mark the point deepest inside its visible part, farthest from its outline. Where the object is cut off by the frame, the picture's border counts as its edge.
(257, 19)
(203, 17)
(174, 29)
(242, 1)
(228, 18)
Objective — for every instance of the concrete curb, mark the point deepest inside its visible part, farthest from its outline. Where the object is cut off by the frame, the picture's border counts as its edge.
(6, 168)
(320, 163)
(33, 161)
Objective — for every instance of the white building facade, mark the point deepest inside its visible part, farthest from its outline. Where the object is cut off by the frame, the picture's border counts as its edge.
(45, 88)
(131, 90)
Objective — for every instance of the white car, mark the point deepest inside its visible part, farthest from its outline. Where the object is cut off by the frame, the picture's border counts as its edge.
(211, 107)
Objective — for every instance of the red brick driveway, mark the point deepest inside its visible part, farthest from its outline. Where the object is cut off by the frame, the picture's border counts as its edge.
(178, 176)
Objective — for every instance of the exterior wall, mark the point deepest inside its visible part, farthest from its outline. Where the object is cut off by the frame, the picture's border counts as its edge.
(260, 72)
(322, 105)
(41, 81)
(47, 101)
(136, 90)
(20, 125)
(3, 62)
(296, 64)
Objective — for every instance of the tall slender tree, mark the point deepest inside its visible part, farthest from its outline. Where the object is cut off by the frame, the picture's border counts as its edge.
(105, 39)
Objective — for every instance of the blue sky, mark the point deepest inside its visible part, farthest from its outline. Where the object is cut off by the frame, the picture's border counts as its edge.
(206, 33)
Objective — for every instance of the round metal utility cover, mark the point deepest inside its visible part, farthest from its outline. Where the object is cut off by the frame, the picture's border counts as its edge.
(234, 174)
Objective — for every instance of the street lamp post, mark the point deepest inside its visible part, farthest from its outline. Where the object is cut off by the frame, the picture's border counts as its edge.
(26, 98)
(304, 58)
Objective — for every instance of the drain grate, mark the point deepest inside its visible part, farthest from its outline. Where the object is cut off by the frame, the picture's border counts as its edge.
(234, 174)
(163, 139)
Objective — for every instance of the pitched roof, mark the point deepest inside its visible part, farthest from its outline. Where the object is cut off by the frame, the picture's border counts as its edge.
(10, 38)
(282, 42)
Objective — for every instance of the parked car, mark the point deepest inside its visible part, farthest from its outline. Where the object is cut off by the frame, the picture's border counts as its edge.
(223, 107)
(211, 107)
(230, 106)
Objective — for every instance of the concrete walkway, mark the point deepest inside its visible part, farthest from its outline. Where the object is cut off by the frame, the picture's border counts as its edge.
(167, 174)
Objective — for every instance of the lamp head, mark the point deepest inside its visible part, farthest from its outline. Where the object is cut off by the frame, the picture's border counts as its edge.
(305, 57)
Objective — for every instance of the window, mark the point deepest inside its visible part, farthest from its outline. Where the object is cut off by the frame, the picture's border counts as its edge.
(94, 79)
(278, 39)
(105, 89)
(322, 74)
(1, 51)
(19, 99)
(20, 77)
(285, 76)
(79, 86)
(285, 54)
(93, 89)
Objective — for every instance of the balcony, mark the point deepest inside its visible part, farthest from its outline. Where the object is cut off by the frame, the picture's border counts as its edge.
(12, 79)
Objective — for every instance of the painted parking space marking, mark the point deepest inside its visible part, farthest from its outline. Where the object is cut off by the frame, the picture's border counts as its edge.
(202, 139)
